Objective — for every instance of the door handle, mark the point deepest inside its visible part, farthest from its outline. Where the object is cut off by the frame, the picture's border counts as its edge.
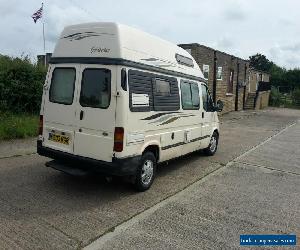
(81, 115)
(202, 114)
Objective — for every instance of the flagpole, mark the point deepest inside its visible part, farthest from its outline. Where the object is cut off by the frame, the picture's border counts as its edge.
(44, 42)
(44, 38)
(45, 59)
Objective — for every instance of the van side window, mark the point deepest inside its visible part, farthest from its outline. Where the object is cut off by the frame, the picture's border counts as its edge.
(208, 104)
(190, 95)
(95, 88)
(195, 95)
(162, 87)
(148, 92)
(62, 86)
(140, 83)
(165, 93)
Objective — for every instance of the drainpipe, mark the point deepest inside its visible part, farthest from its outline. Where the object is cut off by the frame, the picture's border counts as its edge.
(214, 89)
(237, 86)
(245, 81)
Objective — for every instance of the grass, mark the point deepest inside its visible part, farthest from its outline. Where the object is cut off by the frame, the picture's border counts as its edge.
(13, 126)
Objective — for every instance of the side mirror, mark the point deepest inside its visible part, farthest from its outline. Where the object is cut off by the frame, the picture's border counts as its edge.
(219, 106)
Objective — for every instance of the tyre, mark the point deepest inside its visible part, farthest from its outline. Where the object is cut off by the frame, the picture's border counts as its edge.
(213, 144)
(146, 172)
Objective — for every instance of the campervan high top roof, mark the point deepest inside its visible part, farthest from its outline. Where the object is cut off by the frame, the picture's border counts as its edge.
(104, 40)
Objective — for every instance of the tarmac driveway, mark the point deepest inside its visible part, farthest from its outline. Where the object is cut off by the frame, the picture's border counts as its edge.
(42, 208)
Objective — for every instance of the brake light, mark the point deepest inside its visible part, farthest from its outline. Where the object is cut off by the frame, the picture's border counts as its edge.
(41, 125)
(118, 139)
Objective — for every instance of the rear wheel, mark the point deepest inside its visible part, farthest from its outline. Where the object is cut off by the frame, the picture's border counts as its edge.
(213, 144)
(146, 172)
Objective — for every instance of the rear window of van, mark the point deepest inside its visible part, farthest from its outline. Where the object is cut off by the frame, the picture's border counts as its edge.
(62, 86)
(95, 88)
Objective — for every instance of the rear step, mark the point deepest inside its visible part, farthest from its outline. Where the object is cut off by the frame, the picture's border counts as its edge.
(67, 168)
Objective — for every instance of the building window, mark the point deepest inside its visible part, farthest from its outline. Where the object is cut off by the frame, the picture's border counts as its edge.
(205, 71)
(219, 73)
(230, 82)
(189, 95)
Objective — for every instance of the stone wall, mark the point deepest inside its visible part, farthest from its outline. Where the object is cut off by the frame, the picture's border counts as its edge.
(262, 100)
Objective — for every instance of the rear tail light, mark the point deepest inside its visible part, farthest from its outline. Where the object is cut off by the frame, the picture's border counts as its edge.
(118, 139)
(41, 125)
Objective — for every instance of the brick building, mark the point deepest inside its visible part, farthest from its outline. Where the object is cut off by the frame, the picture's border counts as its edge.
(44, 59)
(256, 76)
(259, 89)
(227, 75)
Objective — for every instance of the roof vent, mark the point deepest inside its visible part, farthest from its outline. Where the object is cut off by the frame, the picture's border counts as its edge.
(184, 60)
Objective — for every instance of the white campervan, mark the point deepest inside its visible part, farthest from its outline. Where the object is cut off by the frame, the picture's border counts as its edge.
(118, 101)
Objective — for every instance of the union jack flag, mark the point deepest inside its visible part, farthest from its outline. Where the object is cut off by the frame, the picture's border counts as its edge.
(38, 14)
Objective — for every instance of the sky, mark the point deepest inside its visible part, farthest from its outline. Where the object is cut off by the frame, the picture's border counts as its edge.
(238, 27)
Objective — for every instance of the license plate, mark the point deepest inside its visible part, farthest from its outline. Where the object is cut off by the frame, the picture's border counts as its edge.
(59, 138)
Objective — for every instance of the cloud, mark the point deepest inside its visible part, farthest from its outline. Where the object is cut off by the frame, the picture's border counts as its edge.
(293, 60)
(8, 9)
(285, 22)
(57, 17)
(292, 47)
(234, 11)
(240, 27)
(234, 15)
(225, 42)
(286, 55)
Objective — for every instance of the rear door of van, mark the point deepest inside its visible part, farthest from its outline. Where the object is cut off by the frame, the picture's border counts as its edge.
(79, 110)
(60, 106)
(94, 137)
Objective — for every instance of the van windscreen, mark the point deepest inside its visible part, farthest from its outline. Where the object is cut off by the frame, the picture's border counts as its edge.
(62, 86)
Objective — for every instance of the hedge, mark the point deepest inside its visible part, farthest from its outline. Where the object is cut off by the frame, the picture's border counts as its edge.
(21, 85)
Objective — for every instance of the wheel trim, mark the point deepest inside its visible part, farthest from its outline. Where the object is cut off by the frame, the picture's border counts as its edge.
(147, 172)
(213, 144)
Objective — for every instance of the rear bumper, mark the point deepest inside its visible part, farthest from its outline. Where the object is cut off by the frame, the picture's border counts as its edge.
(119, 167)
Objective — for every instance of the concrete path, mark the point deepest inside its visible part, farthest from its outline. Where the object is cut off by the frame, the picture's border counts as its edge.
(12, 148)
(44, 209)
(258, 193)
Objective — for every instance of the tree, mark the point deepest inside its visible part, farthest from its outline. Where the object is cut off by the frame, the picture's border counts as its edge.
(286, 79)
(277, 75)
(292, 78)
(260, 62)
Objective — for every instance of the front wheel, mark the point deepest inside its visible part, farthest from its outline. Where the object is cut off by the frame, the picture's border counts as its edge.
(146, 172)
(213, 144)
